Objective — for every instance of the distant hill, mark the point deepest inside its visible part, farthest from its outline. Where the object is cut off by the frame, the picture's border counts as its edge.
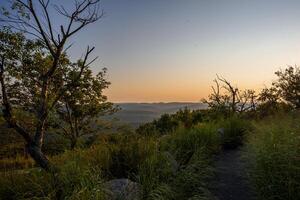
(139, 113)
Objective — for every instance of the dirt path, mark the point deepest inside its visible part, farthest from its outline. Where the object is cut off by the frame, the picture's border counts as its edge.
(231, 182)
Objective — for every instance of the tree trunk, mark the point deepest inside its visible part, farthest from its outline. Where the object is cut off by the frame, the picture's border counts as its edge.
(73, 143)
(38, 156)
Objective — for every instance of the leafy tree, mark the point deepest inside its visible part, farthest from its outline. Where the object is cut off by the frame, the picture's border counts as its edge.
(166, 123)
(147, 129)
(169, 122)
(32, 71)
(82, 105)
(199, 116)
(163, 125)
(288, 85)
(283, 94)
(185, 116)
(269, 101)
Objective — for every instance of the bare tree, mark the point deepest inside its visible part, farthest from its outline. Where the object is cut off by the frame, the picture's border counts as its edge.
(233, 93)
(33, 18)
(247, 100)
(229, 99)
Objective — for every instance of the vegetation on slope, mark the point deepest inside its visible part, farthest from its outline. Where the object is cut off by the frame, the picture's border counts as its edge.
(274, 153)
(53, 104)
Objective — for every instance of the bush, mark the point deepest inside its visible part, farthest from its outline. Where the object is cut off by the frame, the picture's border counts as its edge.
(274, 152)
(232, 131)
(183, 142)
(168, 123)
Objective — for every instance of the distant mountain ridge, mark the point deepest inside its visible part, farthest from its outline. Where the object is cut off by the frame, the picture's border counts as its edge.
(139, 113)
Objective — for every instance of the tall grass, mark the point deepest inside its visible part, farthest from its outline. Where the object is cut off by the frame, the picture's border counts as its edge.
(233, 131)
(17, 162)
(180, 168)
(81, 171)
(274, 153)
(175, 166)
(76, 181)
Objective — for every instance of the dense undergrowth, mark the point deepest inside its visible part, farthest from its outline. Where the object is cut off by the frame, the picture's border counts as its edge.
(175, 165)
(274, 152)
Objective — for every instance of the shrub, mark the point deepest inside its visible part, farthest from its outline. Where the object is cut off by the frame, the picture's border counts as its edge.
(168, 123)
(232, 131)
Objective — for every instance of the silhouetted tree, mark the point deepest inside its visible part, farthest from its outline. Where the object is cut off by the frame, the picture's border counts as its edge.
(170, 122)
(185, 117)
(165, 124)
(288, 85)
(269, 101)
(227, 99)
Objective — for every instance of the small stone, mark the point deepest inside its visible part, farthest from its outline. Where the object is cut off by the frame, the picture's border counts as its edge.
(221, 132)
(124, 189)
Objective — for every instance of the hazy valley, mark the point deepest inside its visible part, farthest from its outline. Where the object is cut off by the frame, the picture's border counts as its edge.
(139, 113)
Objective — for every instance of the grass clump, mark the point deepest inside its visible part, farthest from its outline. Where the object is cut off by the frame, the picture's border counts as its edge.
(180, 168)
(233, 131)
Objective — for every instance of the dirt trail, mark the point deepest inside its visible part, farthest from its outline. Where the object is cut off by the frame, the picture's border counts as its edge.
(231, 182)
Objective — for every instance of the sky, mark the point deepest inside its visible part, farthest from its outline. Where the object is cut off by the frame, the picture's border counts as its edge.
(171, 50)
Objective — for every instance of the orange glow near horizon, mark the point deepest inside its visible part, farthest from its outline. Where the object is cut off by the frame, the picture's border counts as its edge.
(162, 51)
(192, 90)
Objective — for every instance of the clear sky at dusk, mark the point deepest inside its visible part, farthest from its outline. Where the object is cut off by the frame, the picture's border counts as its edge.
(170, 50)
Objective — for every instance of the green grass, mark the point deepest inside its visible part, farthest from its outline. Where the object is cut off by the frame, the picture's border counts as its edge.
(174, 166)
(234, 131)
(17, 162)
(180, 168)
(76, 181)
(274, 153)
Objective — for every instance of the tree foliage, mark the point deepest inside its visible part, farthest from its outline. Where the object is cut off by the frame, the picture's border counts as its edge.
(33, 71)
(82, 105)
(288, 85)
(170, 122)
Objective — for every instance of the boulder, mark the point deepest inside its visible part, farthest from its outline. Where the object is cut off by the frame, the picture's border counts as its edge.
(174, 164)
(221, 132)
(122, 189)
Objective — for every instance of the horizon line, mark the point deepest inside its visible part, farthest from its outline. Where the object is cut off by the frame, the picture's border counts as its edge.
(155, 102)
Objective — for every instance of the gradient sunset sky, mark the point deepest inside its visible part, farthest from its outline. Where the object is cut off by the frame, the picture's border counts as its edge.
(170, 50)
